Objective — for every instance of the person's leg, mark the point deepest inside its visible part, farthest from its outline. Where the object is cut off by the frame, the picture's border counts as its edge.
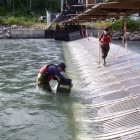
(43, 83)
(106, 50)
(103, 50)
(46, 86)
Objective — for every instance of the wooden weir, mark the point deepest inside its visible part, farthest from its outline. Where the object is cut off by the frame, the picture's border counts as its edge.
(112, 104)
(112, 109)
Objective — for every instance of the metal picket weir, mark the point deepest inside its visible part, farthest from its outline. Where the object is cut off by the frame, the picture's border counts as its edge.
(112, 102)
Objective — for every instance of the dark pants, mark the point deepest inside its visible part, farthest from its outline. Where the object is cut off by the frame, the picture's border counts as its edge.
(42, 82)
(104, 49)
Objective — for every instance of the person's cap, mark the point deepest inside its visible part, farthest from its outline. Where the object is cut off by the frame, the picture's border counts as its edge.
(63, 66)
(105, 29)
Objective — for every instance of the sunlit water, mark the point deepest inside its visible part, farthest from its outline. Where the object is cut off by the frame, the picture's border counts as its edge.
(27, 113)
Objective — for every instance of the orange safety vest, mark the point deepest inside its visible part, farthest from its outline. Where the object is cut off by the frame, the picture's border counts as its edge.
(47, 75)
(105, 39)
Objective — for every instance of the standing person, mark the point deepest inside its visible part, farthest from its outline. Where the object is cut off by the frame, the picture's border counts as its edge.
(105, 39)
(49, 72)
(57, 27)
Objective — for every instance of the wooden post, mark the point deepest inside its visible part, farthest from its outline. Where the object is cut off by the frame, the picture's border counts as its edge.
(125, 38)
(99, 45)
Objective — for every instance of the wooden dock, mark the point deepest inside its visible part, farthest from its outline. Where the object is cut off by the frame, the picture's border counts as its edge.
(112, 103)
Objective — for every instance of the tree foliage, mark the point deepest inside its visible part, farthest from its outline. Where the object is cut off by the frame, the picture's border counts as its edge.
(24, 7)
(132, 25)
(118, 24)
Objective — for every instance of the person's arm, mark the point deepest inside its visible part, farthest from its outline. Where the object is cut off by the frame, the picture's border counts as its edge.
(55, 78)
(100, 37)
(110, 37)
(58, 74)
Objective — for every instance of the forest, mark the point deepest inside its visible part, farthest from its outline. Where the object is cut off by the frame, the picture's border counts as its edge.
(18, 8)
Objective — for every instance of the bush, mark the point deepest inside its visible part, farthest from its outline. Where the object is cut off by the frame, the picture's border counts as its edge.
(117, 25)
(24, 19)
(1, 20)
(12, 20)
(132, 25)
(35, 19)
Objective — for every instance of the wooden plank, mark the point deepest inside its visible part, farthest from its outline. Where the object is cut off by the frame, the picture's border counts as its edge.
(89, 2)
(122, 0)
(122, 5)
(109, 9)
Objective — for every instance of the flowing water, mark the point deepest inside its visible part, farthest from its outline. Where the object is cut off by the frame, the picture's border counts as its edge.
(132, 45)
(27, 113)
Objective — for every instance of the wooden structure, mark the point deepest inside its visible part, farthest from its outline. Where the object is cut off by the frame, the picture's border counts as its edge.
(92, 10)
(107, 9)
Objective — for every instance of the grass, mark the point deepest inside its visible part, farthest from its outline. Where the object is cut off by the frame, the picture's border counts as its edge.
(26, 21)
(29, 21)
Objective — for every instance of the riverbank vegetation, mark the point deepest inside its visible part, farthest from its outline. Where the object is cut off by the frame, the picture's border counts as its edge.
(18, 8)
(27, 12)
(118, 24)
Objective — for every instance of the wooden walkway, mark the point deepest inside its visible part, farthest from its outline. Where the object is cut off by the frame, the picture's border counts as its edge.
(112, 108)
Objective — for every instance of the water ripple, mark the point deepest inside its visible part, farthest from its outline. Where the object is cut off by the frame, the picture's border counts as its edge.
(24, 113)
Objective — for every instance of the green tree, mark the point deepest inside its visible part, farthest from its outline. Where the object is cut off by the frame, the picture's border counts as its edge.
(22, 7)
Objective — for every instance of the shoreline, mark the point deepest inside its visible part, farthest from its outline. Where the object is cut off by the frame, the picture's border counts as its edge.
(6, 32)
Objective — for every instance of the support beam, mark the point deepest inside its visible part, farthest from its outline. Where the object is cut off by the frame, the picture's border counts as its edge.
(122, 5)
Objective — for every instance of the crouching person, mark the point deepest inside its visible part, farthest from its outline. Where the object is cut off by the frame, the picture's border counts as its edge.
(49, 72)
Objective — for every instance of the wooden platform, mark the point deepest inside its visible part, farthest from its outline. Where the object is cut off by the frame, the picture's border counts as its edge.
(93, 10)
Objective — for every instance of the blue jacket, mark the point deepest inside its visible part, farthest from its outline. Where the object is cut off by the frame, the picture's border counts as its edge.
(53, 70)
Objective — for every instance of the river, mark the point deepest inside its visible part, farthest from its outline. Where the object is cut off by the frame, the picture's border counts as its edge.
(27, 113)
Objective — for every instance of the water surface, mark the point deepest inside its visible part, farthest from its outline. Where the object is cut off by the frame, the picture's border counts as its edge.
(30, 114)
(26, 113)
